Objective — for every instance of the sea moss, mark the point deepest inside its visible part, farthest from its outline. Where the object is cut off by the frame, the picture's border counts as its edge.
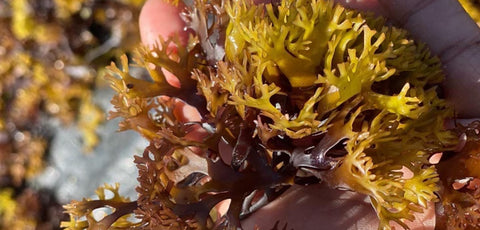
(286, 92)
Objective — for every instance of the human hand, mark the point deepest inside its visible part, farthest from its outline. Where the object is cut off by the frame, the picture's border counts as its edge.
(449, 32)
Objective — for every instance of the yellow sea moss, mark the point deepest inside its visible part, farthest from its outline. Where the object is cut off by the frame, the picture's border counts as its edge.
(303, 89)
(343, 56)
(85, 210)
(473, 9)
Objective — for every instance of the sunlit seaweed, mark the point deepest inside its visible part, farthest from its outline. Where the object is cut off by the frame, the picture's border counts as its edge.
(285, 91)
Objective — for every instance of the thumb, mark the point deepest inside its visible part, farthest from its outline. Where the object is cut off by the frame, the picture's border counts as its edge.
(160, 18)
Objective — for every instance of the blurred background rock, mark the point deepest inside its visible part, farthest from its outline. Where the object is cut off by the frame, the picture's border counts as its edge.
(55, 145)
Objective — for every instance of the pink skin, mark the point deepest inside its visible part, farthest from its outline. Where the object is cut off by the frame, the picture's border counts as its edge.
(159, 18)
(442, 24)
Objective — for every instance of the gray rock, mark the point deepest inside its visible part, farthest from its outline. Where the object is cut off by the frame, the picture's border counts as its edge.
(73, 174)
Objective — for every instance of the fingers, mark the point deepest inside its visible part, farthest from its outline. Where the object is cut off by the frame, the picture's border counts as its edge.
(318, 207)
(315, 207)
(451, 34)
(443, 24)
(462, 85)
(452, 123)
(160, 18)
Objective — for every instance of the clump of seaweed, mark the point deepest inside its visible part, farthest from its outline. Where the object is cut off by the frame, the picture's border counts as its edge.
(285, 92)
(119, 209)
